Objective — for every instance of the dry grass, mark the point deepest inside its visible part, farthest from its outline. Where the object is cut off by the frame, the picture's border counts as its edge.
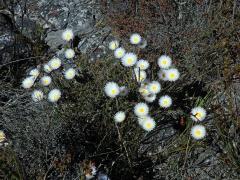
(204, 44)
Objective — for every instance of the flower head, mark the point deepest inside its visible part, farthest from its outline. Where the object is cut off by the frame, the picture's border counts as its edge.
(142, 119)
(162, 75)
(135, 38)
(165, 101)
(54, 63)
(120, 116)
(67, 35)
(46, 80)
(70, 73)
(69, 53)
(112, 89)
(150, 98)
(28, 82)
(198, 132)
(34, 72)
(144, 91)
(142, 64)
(129, 59)
(172, 74)
(37, 95)
(2, 136)
(54, 95)
(123, 91)
(141, 109)
(164, 61)
(154, 87)
(198, 114)
(47, 68)
(148, 124)
(113, 45)
(119, 53)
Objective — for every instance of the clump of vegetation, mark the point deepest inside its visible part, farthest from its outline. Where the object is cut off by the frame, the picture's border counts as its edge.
(85, 133)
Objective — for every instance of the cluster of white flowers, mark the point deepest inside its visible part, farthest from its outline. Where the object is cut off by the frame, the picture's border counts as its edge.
(167, 72)
(149, 90)
(45, 77)
(198, 114)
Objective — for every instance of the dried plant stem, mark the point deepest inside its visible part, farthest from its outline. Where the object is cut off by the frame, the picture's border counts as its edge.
(124, 146)
(122, 141)
(185, 159)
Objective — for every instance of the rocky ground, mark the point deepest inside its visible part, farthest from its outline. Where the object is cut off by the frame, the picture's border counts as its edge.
(49, 142)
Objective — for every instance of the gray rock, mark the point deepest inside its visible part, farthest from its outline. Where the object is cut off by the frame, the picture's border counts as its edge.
(54, 15)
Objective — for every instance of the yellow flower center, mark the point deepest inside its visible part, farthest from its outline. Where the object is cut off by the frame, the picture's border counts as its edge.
(113, 91)
(129, 60)
(165, 102)
(120, 53)
(154, 87)
(172, 75)
(141, 110)
(164, 62)
(141, 66)
(149, 125)
(68, 36)
(135, 39)
(198, 133)
(198, 115)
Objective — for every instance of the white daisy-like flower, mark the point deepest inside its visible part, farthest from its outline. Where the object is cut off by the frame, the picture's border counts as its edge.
(37, 95)
(123, 91)
(69, 53)
(54, 95)
(198, 114)
(119, 53)
(135, 38)
(34, 72)
(154, 87)
(162, 75)
(47, 68)
(140, 75)
(142, 119)
(144, 91)
(142, 64)
(149, 124)
(141, 109)
(119, 116)
(46, 80)
(70, 73)
(67, 35)
(54, 63)
(198, 132)
(28, 82)
(129, 59)
(172, 74)
(112, 89)
(2, 136)
(165, 101)
(150, 98)
(164, 62)
(113, 45)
